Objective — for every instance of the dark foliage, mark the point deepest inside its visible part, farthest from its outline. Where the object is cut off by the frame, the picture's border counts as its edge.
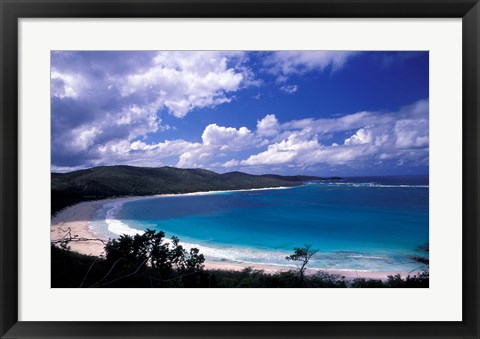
(148, 261)
(420, 280)
(367, 283)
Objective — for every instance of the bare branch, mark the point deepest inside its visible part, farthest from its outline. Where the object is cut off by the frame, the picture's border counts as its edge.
(68, 238)
(108, 273)
(89, 269)
(125, 276)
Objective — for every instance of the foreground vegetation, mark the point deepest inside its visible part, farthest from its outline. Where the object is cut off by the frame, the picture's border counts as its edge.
(149, 260)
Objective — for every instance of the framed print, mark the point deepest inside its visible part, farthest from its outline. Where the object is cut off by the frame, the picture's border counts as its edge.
(250, 169)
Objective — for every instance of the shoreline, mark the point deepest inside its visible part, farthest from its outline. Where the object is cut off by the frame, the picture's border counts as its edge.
(73, 221)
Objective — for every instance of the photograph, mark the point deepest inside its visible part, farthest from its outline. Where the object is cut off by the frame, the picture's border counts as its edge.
(252, 169)
(240, 169)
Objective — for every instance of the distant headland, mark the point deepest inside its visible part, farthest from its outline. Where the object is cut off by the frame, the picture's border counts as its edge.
(117, 181)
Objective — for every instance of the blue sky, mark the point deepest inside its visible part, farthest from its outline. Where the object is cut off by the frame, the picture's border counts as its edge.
(287, 112)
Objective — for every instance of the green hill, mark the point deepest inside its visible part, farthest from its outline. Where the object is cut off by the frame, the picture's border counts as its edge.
(115, 181)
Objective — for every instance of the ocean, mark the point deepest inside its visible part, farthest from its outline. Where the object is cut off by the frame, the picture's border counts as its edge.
(366, 224)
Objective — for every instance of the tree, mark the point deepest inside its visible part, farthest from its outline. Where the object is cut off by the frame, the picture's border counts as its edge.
(422, 258)
(303, 255)
(151, 254)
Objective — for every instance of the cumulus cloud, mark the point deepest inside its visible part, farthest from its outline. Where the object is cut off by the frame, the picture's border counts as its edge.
(217, 141)
(66, 85)
(107, 105)
(363, 136)
(410, 133)
(228, 138)
(82, 139)
(101, 100)
(283, 152)
(231, 163)
(194, 158)
(268, 126)
(375, 137)
(139, 153)
(183, 81)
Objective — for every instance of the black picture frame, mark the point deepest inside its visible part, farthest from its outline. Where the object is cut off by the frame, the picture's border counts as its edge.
(12, 10)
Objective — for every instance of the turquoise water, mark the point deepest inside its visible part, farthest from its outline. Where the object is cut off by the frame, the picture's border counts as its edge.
(357, 224)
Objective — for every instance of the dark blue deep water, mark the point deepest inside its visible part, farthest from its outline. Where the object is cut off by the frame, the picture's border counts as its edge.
(368, 223)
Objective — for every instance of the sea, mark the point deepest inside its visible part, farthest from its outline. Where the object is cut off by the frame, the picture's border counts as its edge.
(361, 223)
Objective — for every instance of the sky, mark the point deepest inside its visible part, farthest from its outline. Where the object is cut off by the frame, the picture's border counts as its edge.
(345, 113)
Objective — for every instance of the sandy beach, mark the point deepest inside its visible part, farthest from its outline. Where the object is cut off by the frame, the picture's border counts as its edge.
(73, 222)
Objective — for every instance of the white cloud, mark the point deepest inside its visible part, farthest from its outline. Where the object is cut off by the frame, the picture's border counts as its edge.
(381, 139)
(268, 126)
(285, 63)
(411, 133)
(104, 113)
(289, 89)
(100, 101)
(166, 148)
(216, 141)
(231, 163)
(344, 123)
(341, 155)
(82, 139)
(298, 152)
(141, 146)
(183, 81)
(283, 152)
(64, 85)
(192, 159)
(398, 137)
(298, 143)
(374, 120)
(228, 138)
(363, 136)
(139, 153)
(378, 136)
